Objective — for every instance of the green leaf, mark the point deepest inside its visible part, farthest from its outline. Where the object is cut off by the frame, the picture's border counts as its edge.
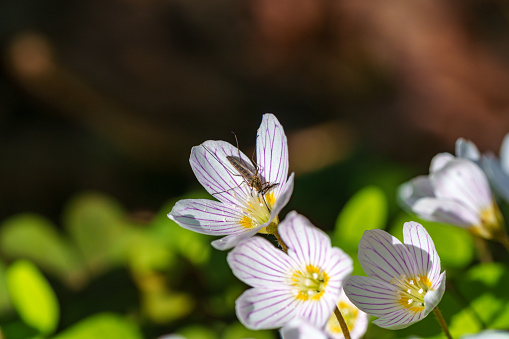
(453, 244)
(197, 332)
(485, 289)
(5, 302)
(366, 210)
(166, 306)
(26, 236)
(102, 325)
(32, 296)
(98, 225)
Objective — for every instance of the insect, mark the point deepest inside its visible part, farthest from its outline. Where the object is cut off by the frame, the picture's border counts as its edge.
(250, 177)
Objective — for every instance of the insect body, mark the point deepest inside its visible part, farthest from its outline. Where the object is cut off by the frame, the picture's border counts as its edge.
(251, 178)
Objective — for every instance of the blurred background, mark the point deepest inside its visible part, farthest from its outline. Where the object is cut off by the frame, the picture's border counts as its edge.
(101, 102)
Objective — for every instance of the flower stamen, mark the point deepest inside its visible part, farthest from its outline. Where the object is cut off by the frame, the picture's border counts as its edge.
(309, 284)
(412, 291)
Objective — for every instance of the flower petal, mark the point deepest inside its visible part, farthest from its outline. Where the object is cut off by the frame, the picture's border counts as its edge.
(399, 320)
(207, 217)
(462, 180)
(358, 324)
(432, 298)
(259, 264)
(383, 256)
(301, 329)
(306, 243)
(372, 296)
(233, 240)
(486, 334)
(272, 151)
(498, 178)
(446, 211)
(415, 189)
(422, 248)
(266, 308)
(318, 313)
(215, 172)
(468, 150)
(405, 317)
(439, 161)
(282, 197)
(504, 154)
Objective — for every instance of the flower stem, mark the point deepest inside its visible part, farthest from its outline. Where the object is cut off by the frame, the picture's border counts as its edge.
(442, 323)
(342, 323)
(280, 241)
(483, 249)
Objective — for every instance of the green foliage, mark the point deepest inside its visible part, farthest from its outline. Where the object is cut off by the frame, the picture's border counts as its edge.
(191, 245)
(102, 326)
(99, 227)
(32, 296)
(5, 303)
(29, 235)
(366, 210)
(198, 332)
(484, 287)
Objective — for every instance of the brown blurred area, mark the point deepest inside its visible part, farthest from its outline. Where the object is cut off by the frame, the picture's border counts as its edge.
(111, 95)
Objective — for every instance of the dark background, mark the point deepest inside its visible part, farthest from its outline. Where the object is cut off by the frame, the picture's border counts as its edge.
(111, 95)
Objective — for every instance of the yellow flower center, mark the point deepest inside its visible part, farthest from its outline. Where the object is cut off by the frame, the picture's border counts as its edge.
(412, 291)
(349, 312)
(491, 223)
(309, 284)
(257, 211)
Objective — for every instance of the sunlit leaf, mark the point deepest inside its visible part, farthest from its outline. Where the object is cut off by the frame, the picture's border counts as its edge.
(366, 210)
(103, 325)
(32, 296)
(147, 253)
(198, 332)
(5, 303)
(485, 288)
(98, 226)
(28, 235)
(163, 306)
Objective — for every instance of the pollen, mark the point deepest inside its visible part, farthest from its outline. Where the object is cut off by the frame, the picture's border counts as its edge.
(257, 212)
(246, 222)
(412, 291)
(349, 313)
(491, 225)
(270, 199)
(309, 284)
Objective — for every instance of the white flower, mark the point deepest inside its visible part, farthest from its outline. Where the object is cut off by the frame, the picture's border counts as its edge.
(300, 329)
(468, 150)
(242, 210)
(488, 334)
(404, 283)
(305, 283)
(355, 319)
(455, 192)
(498, 170)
